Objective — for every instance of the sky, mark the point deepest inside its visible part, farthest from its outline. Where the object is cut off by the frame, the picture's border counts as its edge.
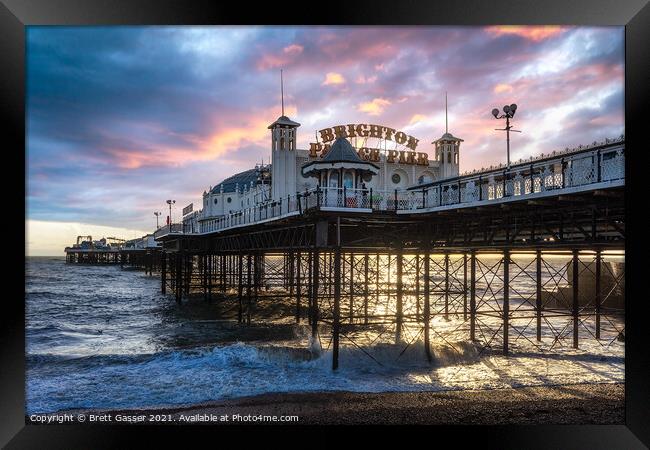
(119, 119)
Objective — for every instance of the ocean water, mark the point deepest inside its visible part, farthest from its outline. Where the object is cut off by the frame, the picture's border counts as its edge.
(100, 337)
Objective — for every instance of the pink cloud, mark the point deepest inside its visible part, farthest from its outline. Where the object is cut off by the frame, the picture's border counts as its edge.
(375, 107)
(533, 33)
(333, 78)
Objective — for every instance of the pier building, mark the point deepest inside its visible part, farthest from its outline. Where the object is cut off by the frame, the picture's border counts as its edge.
(359, 236)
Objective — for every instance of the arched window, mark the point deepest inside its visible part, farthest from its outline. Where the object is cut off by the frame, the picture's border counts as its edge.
(334, 178)
(348, 179)
(449, 157)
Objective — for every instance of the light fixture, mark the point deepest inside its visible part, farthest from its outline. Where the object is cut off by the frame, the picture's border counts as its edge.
(509, 113)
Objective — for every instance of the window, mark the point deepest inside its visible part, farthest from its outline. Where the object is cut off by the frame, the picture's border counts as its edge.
(229, 199)
(425, 178)
(396, 178)
(367, 177)
(334, 178)
(449, 157)
(216, 200)
(348, 180)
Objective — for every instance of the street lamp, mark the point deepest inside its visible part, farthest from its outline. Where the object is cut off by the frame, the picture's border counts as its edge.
(509, 113)
(157, 214)
(170, 203)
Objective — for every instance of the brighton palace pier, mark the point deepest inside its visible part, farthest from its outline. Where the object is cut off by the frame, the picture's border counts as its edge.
(370, 230)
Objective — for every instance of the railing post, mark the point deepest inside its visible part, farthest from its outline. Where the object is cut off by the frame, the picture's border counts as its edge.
(318, 196)
(598, 160)
(424, 198)
(532, 180)
(480, 188)
(459, 198)
(440, 195)
(345, 196)
(563, 166)
(370, 198)
(395, 199)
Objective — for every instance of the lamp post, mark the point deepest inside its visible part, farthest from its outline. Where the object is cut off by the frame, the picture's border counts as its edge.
(170, 203)
(157, 214)
(508, 113)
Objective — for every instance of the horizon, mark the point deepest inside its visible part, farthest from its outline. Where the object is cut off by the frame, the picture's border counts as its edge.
(121, 118)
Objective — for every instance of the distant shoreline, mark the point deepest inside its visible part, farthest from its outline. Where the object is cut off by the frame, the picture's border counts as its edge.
(562, 404)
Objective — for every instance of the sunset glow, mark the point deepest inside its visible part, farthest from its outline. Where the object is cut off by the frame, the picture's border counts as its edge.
(121, 118)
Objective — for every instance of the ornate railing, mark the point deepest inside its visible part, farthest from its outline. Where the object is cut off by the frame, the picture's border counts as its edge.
(553, 174)
(537, 177)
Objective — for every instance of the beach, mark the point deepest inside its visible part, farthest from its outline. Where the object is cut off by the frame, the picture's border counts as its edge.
(562, 404)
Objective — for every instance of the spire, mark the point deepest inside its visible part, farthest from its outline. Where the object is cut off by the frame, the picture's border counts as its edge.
(446, 120)
(282, 91)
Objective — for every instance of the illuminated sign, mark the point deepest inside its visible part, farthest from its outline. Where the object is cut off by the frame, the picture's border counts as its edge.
(365, 131)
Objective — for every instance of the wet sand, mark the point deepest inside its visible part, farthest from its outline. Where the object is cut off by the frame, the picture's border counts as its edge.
(565, 404)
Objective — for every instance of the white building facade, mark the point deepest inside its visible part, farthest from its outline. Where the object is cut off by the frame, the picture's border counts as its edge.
(392, 154)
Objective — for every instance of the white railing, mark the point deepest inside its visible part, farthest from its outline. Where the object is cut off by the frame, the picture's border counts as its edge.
(553, 174)
(565, 172)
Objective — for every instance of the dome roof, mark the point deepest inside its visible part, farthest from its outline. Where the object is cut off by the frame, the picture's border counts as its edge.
(448, 137)
(242, 178)
(284, 122)
(341, 151)
(341, 155)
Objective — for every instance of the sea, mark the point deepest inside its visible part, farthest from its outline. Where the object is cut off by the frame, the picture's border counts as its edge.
(103, 337)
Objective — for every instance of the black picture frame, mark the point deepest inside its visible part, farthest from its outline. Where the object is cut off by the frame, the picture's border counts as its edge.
(15, 15)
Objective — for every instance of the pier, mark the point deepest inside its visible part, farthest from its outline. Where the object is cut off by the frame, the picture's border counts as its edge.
(407, 262)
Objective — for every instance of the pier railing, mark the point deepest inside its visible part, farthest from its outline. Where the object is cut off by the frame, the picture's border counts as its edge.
(580, 169)
(567, 173)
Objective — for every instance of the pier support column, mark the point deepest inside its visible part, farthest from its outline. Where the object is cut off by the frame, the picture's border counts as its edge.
(417, 286)
(506, 299)
(472, 296)
(210, 259)
(240, 287)
(351, 314)
(538, 295)
(298, 285)
(249, 297)
(179, 276)
(336, 319)
(598, 291)
(576, 304)
(464, 286)
(257, 281)
(314, 296)
(366, 259)
(446, 286)
(427, 305)
(399, 319)
(289, 274)
(310, 289)
(163, 272)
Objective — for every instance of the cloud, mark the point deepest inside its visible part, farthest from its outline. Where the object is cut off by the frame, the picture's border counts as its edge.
(293, 49)
(502, 87)
(142, 114)
(333, 78)
(417, 118)
(375, 107)
(363, 80)
(533, 33)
